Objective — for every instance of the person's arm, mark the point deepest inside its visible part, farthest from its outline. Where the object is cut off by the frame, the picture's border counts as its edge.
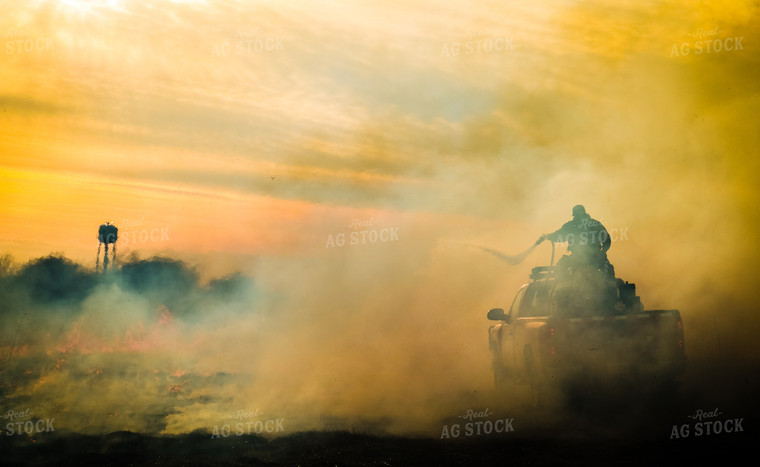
(558, 236)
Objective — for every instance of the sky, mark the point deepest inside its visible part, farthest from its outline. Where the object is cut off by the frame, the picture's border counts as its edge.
(252, 135)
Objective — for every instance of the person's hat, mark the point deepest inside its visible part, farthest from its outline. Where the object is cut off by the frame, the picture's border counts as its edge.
(579, 211)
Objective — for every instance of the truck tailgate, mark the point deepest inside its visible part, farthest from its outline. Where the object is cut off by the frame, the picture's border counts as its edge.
(651, 340)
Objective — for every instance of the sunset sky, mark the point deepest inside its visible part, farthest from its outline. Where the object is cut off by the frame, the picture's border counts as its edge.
(247, 134)
(165, 115)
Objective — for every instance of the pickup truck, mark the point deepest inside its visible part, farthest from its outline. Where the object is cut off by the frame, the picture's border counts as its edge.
(589, 328)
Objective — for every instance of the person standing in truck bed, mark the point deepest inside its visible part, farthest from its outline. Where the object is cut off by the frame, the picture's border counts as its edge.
(587, 240)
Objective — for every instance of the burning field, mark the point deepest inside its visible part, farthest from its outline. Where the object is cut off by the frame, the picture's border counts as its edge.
(270, 232)
(147, 358)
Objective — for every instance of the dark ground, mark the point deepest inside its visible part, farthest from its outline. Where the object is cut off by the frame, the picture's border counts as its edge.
(604, 430)
(349, 449)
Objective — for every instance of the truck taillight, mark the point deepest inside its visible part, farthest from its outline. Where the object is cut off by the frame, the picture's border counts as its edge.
(551, 334)
(547, 340)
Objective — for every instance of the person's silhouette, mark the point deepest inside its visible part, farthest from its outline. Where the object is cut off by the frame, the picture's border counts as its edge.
(587, 240)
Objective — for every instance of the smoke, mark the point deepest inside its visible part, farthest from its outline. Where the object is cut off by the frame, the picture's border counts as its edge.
(380, 337)
(378, 327)
(160, 352)
(125, 336)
